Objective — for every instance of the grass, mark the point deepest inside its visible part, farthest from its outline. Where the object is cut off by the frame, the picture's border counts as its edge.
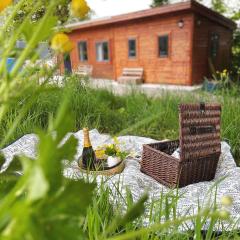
(134, 114)
(161, 216)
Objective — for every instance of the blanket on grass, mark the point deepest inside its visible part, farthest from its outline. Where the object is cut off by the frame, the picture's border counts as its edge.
(139, 183)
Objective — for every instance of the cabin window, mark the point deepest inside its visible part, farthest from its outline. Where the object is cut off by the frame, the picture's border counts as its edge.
(132, 48)
(163, 46)
(214, 46)
(102, 51)
(82, 50)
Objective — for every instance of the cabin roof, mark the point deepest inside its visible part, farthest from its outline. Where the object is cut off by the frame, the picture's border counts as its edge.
(189, 6)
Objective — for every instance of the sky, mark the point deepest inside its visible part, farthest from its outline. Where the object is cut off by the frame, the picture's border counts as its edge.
(103, 8)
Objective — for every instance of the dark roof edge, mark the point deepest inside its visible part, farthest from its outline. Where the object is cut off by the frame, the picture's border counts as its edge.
(212, 15)
(191, 5)
(169, 8)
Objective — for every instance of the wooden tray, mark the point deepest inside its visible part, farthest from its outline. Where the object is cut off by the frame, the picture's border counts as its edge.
(107, 171)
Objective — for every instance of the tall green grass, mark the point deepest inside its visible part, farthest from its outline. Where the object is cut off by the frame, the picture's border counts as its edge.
(133, 114)
(159, 221)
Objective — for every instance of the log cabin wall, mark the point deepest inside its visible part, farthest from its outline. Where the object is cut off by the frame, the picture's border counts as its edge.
(92, 36)
(174, 69)
(203, 30)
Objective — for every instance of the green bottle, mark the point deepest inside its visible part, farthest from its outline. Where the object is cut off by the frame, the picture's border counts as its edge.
(88, 154)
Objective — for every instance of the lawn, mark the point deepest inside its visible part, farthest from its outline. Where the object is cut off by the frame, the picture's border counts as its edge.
(133, 114)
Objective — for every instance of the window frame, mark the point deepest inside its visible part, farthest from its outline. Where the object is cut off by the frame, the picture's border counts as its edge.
(168, 45)
(96, 51)
(136, 48)
(79, 53)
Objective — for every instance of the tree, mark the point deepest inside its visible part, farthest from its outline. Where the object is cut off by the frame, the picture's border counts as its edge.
(219, 6)
(157, 3)
(61, 11)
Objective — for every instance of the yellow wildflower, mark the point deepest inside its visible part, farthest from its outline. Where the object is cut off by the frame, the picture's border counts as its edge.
(100, 153)
(61, 43)
(223, 214)
(79, 8)
(225, 70)
(111, 146)
(4, 4)
(116, 141)
(223, 74)
(226, 201)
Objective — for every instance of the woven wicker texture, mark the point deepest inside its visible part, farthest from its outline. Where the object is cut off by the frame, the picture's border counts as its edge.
(199, 131)
(200, 148)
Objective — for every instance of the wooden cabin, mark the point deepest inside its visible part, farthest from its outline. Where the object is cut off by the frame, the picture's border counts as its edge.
(174, 44)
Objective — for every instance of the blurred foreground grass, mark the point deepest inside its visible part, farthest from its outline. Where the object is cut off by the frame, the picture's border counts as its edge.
(48, 206)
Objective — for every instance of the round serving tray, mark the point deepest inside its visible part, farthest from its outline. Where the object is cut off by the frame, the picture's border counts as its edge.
(104, 170)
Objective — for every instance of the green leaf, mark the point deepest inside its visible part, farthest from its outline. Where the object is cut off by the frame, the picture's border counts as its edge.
(74, 199)
(7, 182)
(69, 148)
(28, 30)
(49, 161)
(38, 185)
(236, 15)
(45, 32)
(62, 229)
(63, 122)
(134, 212)
(48, 30)
(66, 125)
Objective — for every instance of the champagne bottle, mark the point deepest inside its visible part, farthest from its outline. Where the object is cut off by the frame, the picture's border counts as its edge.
(88, 154)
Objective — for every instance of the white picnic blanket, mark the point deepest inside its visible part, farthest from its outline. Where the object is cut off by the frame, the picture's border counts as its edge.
(138, 182)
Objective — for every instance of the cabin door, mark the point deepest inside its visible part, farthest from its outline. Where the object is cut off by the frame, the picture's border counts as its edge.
(213, 51)
(67, 63)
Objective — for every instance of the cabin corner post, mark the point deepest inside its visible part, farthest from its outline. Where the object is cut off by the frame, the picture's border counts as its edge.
(191, 70)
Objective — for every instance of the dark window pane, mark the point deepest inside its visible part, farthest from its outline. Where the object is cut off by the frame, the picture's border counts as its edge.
(163, 46)
(83, 54)
(132, 48)
(105, 51)
(214, 45)
(67, 63)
